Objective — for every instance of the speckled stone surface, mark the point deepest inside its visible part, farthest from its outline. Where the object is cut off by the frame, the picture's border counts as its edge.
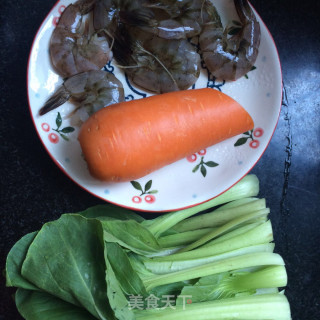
(34, 190)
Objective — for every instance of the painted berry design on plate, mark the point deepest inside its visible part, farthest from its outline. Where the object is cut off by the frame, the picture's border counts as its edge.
(150, 198)
(149, 194)
(254, 144)
(202, 152)
(45, 127)
(62, 132)
(136, 199)
(53, 138)
(253, 135)
(258, 133)
(56, 19)
(202, 165)
(192, 158)
(61, 9)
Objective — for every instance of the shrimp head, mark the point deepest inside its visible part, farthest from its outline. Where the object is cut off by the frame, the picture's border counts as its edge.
(73, 49)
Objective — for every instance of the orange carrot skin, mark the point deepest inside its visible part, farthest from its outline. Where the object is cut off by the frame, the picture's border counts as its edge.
(129, 140)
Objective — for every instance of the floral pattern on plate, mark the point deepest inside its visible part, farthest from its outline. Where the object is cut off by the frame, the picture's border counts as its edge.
(146, 193)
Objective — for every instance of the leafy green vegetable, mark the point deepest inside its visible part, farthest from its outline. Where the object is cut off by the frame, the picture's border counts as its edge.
(256, 307)
(171, 289)
(228, 284)
(217, 286)
(222, 215)
(129, 281)
(117, 298)
(36, 305)
(14, 263)
(107, 211)
(237, 232)
(247, 187)
(108, 263)
(260, 234)
(238, 203)
(169, 266)
(131, 235)
(228, 226)
(229, 264)
(66, 259)
(180, 239)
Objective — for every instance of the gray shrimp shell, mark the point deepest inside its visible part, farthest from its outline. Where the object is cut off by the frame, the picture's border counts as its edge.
(73, 49)
(91, 90)
(229, 58)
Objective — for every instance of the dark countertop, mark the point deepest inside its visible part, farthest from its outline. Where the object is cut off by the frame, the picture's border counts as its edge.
(34, 190)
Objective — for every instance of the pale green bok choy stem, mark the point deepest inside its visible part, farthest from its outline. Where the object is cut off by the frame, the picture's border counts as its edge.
(238, 262)
(247, 187)
(220, 216)
(228, 226)
(163, 267)
(256, 307)
(270, 277)
(260, 234)
(183, 238)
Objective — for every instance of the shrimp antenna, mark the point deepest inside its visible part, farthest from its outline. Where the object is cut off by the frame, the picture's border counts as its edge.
(126, 67)
(202, 8)
(214, 16)
(159, 61)
(109, 35)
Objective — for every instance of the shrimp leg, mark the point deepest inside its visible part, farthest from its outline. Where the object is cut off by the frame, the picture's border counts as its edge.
(155, 64)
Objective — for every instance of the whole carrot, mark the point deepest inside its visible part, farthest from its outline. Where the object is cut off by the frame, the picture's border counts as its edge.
(129, 140)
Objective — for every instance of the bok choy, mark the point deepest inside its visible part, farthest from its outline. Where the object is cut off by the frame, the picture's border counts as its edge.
(109, 263)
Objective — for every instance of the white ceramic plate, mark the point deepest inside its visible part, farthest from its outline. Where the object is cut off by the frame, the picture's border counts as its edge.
(175, 186)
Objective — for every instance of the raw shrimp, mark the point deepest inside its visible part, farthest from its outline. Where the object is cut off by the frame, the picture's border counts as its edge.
(91, 90)
(179, 19)
(229, 58)
(156, 64)
(152, 63)
(169, 19)
(73, 49)
(109, 14)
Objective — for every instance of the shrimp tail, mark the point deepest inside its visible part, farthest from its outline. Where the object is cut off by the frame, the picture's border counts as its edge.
(56, 100)
(251, 33)
(85, 6)
(123, 47)
(141, 18)
(244, 10)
